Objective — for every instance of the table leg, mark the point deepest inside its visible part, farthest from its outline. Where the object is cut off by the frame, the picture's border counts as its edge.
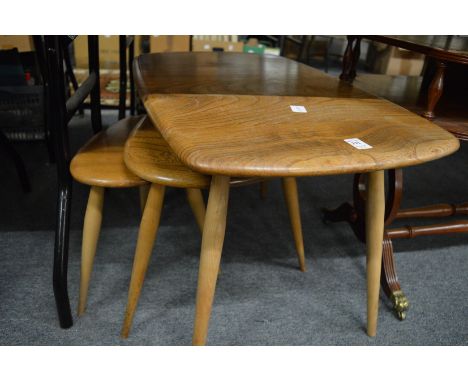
(197, 204)
(91, 230)
(143, 192)
(146, 237)
(435, 90)
(351, 58)
(375, 216)
(354, 215)
(292, 203)
(210, 256)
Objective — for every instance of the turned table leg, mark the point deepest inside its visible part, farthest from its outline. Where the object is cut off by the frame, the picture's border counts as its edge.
(389, 280)
(210, 256)
(435, 90)
(375, 215)
(351, 58)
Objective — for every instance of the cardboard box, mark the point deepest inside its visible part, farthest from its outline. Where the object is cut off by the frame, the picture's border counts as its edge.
(109, 56)
(177, 43)
(213, 46)
(23, 43)
(398, 61)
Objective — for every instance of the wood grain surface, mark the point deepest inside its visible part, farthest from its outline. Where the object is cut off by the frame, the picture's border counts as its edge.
(234, 73)
(148, 155)
(100, 161)
(262, 136)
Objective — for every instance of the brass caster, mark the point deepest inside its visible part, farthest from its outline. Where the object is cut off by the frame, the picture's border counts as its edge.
(400, 304)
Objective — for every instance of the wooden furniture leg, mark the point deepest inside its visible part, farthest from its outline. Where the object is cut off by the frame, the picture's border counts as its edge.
(434, 211)
(435, 90)
(210, 256)
(351, 58)
(146, 237)
(91, 230)
(375, 215)
(292, 203)
(197, 204)
(143, 192)
(389, 279)
(355, 216)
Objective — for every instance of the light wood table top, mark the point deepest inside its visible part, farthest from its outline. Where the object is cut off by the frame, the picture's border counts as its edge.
(262, 136)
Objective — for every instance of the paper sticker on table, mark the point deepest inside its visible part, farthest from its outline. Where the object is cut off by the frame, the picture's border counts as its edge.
(298, 109)
(358, 144)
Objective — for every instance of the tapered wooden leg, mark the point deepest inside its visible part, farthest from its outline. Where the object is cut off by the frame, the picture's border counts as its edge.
(146, 237)
(91, 229)
(292, 202)
(143, 190)
(375, 213)
(210, 256)
(195, 199)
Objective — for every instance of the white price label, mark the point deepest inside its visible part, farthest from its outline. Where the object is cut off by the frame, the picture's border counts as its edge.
(298, 109)
(358, 144)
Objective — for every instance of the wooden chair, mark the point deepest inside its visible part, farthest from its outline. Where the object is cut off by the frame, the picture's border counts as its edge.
(148, 155)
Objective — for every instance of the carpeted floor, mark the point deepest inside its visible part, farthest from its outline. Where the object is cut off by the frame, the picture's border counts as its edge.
(261, 299)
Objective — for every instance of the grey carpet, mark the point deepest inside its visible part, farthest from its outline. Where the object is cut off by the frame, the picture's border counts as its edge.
(261, 298)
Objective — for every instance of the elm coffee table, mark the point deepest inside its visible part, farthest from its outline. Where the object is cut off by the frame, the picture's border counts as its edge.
(335, 130)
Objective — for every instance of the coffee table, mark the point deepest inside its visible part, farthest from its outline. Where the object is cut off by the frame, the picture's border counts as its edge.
(252, 130)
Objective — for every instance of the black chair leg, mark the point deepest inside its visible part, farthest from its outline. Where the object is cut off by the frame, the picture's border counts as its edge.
(49, 142)
(61, 255)
(19, 164)
(131, 55)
